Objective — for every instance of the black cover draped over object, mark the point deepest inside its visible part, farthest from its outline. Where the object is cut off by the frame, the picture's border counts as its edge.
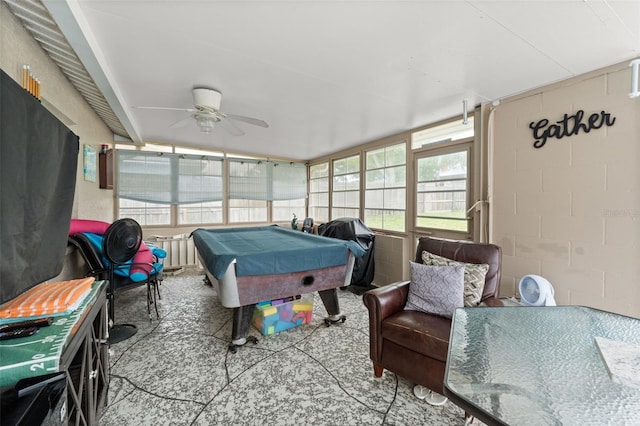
(38, 166)
(348, 228)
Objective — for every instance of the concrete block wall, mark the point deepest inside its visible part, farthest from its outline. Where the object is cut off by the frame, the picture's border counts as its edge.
(570, 210)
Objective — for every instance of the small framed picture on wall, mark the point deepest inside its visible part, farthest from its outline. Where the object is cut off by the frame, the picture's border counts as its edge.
(89, 165)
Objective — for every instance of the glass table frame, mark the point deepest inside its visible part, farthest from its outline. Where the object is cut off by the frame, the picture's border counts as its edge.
(541, 366)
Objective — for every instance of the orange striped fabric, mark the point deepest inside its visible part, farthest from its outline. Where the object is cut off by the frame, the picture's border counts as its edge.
(48, 298)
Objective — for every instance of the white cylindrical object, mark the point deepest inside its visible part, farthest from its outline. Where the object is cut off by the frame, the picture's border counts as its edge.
(206, 98)
(635, 64)
(465, 120)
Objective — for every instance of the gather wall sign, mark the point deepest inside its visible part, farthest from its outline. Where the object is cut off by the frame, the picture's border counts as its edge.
(569, 125)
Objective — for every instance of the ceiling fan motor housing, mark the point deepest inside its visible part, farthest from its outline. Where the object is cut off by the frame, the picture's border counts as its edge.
(204, 98)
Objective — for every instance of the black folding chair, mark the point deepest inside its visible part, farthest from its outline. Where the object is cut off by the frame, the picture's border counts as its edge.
(120, 243)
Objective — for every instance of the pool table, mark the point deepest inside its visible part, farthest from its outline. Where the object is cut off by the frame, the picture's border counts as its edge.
(254, 264)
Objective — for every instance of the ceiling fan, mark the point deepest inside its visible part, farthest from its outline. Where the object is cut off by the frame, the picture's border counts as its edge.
(207, 114)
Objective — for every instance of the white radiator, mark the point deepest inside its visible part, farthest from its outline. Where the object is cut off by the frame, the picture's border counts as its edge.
(181, 251)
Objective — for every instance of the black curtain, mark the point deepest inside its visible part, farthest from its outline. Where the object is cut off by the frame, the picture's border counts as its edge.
(38, 160)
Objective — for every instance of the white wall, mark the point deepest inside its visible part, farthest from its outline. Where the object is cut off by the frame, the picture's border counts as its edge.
(570, 210)
(18, 48)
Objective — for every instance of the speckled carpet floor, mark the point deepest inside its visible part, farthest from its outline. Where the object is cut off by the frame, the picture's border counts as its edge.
(177, 370)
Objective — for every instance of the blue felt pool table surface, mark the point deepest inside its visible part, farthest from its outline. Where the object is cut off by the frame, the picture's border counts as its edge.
(269, 250)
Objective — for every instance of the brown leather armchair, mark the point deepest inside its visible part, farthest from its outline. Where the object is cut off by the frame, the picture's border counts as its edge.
(413, 344)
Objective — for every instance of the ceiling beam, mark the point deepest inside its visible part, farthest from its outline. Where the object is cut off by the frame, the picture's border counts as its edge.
(75, 28)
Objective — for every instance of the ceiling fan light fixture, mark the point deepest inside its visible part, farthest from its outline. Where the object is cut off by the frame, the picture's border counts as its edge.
(206, 124)
(206, 113)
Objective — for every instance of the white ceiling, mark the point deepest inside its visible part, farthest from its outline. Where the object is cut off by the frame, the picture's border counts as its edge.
(327, 75)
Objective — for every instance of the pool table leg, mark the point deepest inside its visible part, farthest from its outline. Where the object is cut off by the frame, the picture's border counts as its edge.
(241, 323)
(330, 300)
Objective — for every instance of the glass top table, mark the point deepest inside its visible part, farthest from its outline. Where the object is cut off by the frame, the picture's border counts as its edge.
(545, 366)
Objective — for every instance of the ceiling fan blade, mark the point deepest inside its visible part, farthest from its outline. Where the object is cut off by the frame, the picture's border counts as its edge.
(249, 120)
(167, 108)
(181, 123)
(230, 127)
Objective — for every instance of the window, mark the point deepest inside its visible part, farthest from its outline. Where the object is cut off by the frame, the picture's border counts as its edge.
(345, 195)
(385, 188)
(442, 191)
(254, 182)
(443, 162)
(145, 214)
(143, 187)
(319, 192)
(166, 185)
(289, 191)
(447, 132)
(283, 210)
(247, 211)
(150, 182)
(247, 189)
(210, 212)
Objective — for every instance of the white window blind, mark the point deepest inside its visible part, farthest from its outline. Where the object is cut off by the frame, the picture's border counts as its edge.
(289, 181)
(266, 180)
(166, 178)
(199, 179)
(247, 179)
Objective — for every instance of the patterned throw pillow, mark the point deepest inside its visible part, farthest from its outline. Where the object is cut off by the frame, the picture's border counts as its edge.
(474, 274)
(435, 289)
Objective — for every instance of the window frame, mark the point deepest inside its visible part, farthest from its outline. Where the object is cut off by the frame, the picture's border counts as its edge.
(313, 195)
(475, 187)
(334, 209)
(439, 149)
(396, 143)
(174, 210)
(172, 205)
